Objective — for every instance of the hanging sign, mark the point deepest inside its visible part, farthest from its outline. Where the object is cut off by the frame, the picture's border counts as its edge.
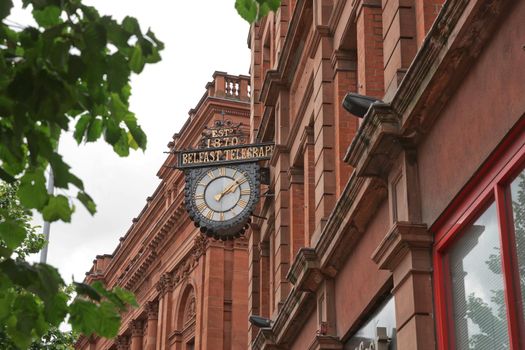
(222, 179)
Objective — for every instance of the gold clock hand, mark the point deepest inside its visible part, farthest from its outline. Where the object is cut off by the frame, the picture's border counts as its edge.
(218, 196)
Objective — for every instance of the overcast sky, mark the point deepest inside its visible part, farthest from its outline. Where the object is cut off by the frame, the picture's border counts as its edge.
(200, 37)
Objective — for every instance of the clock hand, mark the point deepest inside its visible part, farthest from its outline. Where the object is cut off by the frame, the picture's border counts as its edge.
(218, 196)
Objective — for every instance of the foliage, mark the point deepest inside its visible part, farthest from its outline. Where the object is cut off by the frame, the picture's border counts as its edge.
(71, 70)
(54, 339)
(254, 10)
(492, 323)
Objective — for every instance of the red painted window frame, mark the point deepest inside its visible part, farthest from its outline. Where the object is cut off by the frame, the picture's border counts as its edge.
(490, 184)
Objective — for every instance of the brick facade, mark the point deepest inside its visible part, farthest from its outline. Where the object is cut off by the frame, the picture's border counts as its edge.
(345, 234)
(192, 291)
(350, 226)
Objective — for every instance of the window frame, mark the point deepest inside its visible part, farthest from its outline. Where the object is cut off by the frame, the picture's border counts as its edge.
(490, 184)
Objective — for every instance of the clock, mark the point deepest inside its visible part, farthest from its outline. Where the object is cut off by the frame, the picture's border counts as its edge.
(221, 199)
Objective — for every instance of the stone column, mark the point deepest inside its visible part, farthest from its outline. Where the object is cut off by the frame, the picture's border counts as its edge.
(165, 289)
(152, 309)
(137, 332)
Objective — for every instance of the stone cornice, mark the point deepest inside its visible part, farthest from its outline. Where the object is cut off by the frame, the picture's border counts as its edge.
(402, 237)
(448, 47)
(305, 273)
(376, 144)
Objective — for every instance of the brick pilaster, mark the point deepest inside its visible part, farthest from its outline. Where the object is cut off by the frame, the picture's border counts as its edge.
(344, 64)
(324, 134)
(399, 41)
(297, 208)
(213, 308)
(309, 185)
(370, 79)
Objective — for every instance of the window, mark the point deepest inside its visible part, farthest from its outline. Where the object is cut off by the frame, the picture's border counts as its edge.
(379, 332)
(479, 257)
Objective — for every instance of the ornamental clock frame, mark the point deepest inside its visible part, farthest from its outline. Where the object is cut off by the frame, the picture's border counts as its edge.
(221, 199)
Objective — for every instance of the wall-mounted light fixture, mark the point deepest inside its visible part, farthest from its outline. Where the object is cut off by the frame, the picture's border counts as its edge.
(357, 104)
(260, 322)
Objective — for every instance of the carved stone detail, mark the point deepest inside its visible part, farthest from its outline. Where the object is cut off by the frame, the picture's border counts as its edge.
(122, 342)
(152, 309)
(165, 284)
(137, 328)
(200, 244)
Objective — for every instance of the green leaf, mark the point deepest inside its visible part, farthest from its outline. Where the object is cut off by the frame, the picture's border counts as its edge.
(95, 37)
(94, 130)
(247, 9)
(121, 147)
(62, 175)
(57, 209)
(131, 25)
(137, 60)
(32, 191)
(5, 8)
(109, 320)
(25, 319)
(87, 290)
(80, 128)
(85, 199)
(118, 72)
(118, 108)
(48, 17)
(151, 35)
(12, 233)
(126, 296)
(83, 316)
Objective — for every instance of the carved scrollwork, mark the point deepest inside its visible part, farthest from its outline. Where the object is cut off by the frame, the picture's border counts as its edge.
(152, 309)
(165, 283)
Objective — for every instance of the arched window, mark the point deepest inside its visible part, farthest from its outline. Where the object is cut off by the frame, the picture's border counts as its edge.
(186, 317)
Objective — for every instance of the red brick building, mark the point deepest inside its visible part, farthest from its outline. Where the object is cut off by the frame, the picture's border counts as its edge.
(404, 228)
(192, 291)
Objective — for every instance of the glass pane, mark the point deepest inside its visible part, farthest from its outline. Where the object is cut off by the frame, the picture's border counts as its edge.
(518, 210)
(382, 322)
(480, 316)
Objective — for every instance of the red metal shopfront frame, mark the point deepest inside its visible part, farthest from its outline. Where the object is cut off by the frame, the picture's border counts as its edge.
(490, 184)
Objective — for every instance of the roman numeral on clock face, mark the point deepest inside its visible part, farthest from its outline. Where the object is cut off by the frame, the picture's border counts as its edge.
(241, 180)
(246, 191)
(222, 171)
(211, 175)
(242, 203)
(201, 206)
(209, 215)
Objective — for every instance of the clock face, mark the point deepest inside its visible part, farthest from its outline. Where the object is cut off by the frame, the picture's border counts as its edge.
(222, 193)
(221, 199)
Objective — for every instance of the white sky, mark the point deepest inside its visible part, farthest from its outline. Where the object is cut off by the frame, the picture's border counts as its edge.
(200, 37)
